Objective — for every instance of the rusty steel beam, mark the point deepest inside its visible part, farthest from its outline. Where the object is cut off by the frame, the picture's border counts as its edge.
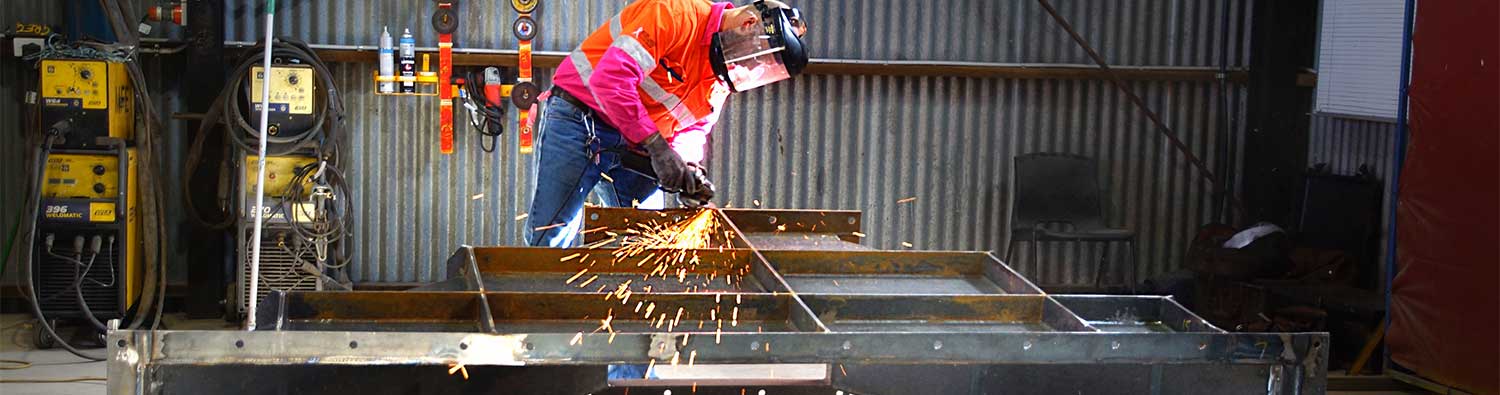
(543, 307)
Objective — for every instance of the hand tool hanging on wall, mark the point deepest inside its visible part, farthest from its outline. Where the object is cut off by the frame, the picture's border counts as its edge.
(525, 92)
(445, 22)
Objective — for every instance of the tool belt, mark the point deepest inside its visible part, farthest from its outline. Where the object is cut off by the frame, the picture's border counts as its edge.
(560, 93)
(631, 159)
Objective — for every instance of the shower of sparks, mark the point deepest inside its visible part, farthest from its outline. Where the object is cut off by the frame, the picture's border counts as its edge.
(667, 251)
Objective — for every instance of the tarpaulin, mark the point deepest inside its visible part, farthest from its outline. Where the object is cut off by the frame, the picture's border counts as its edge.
(1445, 299)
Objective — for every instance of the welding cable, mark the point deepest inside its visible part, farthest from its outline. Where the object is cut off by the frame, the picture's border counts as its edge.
(150, 148)
(491, 119)
(337, 216)
(226, 111)
(38, 165)
(335, 223)
(286, 49)
(53, 381)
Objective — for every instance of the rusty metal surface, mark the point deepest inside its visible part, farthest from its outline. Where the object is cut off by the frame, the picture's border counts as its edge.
(515, 306)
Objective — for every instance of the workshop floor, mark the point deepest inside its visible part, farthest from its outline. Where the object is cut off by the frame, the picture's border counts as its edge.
(16, 345)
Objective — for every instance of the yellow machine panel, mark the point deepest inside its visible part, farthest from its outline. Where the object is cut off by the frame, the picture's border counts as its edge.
(291, 87)
(75, 83)
(95, 94)
(83, 190)
(279, 172)
(87, 176)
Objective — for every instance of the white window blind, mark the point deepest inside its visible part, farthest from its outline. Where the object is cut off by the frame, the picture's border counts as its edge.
(1359, 57)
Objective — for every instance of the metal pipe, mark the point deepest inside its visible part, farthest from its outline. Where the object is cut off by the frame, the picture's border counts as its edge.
(826, 66)
(260, 172)
(1400, 147)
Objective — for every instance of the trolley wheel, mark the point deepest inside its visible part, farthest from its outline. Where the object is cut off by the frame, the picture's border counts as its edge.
(41, 339)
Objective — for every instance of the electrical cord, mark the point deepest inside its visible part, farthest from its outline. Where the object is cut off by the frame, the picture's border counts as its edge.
(295, 194)
(38, 165)
(53, 381)
(15, 364)
(226, 111)
(486, 119)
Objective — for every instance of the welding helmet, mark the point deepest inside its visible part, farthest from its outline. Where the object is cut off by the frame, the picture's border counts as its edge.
(746, 58)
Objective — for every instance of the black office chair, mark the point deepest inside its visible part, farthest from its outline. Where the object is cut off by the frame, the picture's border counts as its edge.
(1056, 188)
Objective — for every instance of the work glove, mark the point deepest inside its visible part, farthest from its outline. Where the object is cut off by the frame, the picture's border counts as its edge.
(705, 195)
(672, 173)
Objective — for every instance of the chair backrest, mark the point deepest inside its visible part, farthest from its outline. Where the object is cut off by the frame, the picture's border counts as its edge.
(1056, 187)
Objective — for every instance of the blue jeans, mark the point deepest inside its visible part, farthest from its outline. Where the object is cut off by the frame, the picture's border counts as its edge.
(574, 147)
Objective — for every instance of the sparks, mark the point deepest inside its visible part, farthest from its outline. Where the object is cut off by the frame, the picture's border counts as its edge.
(577, 275)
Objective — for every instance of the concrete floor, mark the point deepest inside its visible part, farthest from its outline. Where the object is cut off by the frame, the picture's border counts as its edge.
(45, 364)
(16, 344)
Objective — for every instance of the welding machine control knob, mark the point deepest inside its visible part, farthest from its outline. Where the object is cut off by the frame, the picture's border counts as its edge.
(99, 170)
(98, 187)
(86, 74)
(293, 80)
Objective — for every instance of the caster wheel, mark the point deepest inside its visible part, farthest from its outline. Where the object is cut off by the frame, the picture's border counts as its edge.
(41, 339)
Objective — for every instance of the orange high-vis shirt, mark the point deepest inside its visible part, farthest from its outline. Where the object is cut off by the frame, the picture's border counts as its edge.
(647, 71)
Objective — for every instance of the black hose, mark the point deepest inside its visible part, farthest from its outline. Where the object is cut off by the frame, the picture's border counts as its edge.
(83, 305)
(36, 199)
(326, 132)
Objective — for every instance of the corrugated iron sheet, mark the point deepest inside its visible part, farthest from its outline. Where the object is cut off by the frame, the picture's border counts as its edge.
(844, 142)
(838, 142)
(818, 142)
(1127, 32)
(1346, 144)
(866, 142)
(13, 144)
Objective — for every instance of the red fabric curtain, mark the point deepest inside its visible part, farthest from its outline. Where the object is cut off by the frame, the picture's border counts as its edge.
(1445, 299)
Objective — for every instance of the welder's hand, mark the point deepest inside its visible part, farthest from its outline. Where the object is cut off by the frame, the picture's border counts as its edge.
(672, 173)
(705, 195)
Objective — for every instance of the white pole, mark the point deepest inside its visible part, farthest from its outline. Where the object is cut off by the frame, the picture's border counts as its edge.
(260, 173)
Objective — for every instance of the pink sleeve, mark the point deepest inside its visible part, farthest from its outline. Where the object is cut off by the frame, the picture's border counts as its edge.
(614, 85)
(691, 142)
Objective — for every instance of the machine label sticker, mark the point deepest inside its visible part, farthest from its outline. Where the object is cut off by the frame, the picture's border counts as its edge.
(62, 102)
(275, 107)
(291, 89)
(101, 212)
(66, 211)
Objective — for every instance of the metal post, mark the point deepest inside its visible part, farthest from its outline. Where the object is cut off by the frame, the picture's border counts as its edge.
(260, 174)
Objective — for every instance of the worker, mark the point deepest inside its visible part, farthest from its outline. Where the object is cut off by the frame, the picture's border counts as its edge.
(634, 104)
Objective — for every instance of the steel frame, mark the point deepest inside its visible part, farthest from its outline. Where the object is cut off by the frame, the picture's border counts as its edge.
(907, 322)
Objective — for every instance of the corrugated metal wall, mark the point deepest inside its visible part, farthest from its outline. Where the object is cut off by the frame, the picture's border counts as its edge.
(1127, 32)
(13, 144)
(835, 142)
(1346, 144)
